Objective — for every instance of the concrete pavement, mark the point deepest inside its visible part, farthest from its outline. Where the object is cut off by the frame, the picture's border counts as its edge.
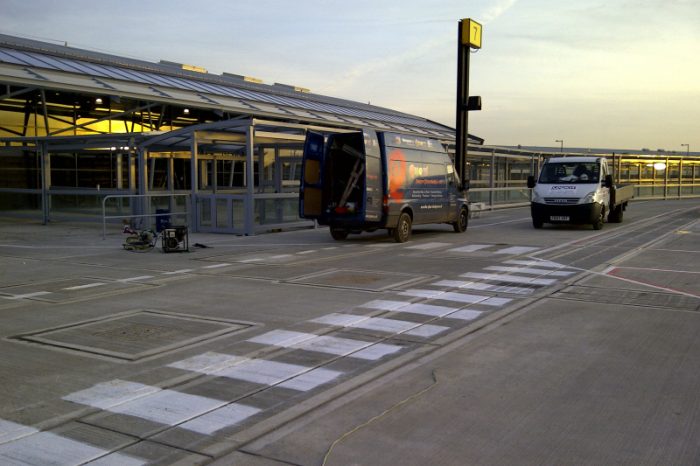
(496, 346)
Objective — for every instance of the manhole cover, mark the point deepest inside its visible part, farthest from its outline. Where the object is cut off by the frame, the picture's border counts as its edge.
(360, 279)
(135, 335)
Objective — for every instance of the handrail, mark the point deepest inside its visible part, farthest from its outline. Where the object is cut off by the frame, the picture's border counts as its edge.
(125, 196)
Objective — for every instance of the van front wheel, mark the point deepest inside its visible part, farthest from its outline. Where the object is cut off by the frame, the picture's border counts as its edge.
(460, 225)
(403, 229)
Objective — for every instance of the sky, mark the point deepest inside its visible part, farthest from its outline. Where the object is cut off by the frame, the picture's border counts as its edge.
(593, 73)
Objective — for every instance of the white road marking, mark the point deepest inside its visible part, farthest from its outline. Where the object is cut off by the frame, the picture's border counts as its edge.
(132, 279)
(531, 271)
(169, 407)
(326, 344)
(471, 248)
(28, 295)
(301, 253)
(482, 286)
(510, 278)
(82, 287)
(49, 448)
(208, 363)
(463, 284)
(465, 314)
(258, 371)
(412, 308)
(516, 250)
(216, 266)
(536, 263)
(380, 324)
(178, 271)
(285, 375)
(426, 246)
(458, 297)
(221, 418)
(108, 394)
(11, 431)
(424, 309)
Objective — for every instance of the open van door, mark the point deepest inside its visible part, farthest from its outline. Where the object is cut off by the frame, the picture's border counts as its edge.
(311, 189)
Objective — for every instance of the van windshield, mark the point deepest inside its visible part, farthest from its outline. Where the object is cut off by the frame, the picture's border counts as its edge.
(570, 172)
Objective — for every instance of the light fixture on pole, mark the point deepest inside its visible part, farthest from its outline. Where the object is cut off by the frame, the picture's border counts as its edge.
(561, 147)
(687, 149)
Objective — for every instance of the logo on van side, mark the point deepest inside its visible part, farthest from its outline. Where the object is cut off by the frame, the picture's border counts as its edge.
(565, 188)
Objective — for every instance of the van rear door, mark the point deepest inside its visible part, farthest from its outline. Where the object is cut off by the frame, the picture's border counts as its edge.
(311, 189)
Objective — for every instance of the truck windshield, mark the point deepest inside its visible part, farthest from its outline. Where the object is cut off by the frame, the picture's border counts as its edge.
(570, 172)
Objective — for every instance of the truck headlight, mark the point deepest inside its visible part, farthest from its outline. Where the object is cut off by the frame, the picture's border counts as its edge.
(537, 198)
(588, 198)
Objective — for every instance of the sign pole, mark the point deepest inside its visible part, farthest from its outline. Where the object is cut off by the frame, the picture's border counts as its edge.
(468, 37)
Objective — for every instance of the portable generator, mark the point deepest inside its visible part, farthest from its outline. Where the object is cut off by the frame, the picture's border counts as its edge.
(175, 239)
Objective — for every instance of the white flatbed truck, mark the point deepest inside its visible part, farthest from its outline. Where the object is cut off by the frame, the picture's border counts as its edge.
(578, 190)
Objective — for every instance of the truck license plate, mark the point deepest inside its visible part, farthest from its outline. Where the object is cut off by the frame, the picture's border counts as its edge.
(559, 218)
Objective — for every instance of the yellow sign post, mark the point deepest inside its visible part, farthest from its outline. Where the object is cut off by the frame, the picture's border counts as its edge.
(471, 33)
(469, 37)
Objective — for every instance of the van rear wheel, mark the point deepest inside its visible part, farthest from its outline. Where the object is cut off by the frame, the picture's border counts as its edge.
(339, 234)
(403, 229)
(460, 225)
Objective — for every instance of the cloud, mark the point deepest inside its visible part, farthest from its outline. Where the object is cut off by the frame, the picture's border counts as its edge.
(494, 11)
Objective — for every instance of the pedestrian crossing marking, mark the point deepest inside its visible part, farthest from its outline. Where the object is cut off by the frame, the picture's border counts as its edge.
(458, 297)
(221, 418)
(11, 431)
(412, 308)
(516, 250)
(535, 263)
(258, 371)
(482, 286)
(531, 271)
(510, 278)
(471, 248)
(108, 394)
(381, 324)
(424, 309)
(326, 344)
(427, 246)
(50, 448)
(463, 284)
(169, 407)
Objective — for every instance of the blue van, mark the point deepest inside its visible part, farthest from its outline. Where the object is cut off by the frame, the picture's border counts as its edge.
(367, 180)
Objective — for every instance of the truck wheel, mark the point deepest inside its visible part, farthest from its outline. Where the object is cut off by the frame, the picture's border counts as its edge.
(403, 229)
(537, 222)
(598, 223)
(339, 234)
(460, 225)
(616, 215)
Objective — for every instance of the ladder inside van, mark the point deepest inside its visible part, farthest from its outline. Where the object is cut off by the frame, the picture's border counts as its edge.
(357, 171)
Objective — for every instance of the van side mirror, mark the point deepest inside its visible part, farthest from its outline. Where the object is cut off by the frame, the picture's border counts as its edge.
(608, 181)
(530, 181)
(465, 185)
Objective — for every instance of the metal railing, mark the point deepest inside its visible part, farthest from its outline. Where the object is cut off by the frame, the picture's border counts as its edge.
(146, 209)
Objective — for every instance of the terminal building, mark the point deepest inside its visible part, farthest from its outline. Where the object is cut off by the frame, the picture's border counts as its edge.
(92, 136)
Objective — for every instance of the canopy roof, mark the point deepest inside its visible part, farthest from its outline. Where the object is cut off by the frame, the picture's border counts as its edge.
(40, 64)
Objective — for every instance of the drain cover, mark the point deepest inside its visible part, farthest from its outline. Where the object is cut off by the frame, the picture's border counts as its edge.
(135, 335)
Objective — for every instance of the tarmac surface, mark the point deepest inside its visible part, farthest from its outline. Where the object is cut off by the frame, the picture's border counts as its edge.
(501, 345)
